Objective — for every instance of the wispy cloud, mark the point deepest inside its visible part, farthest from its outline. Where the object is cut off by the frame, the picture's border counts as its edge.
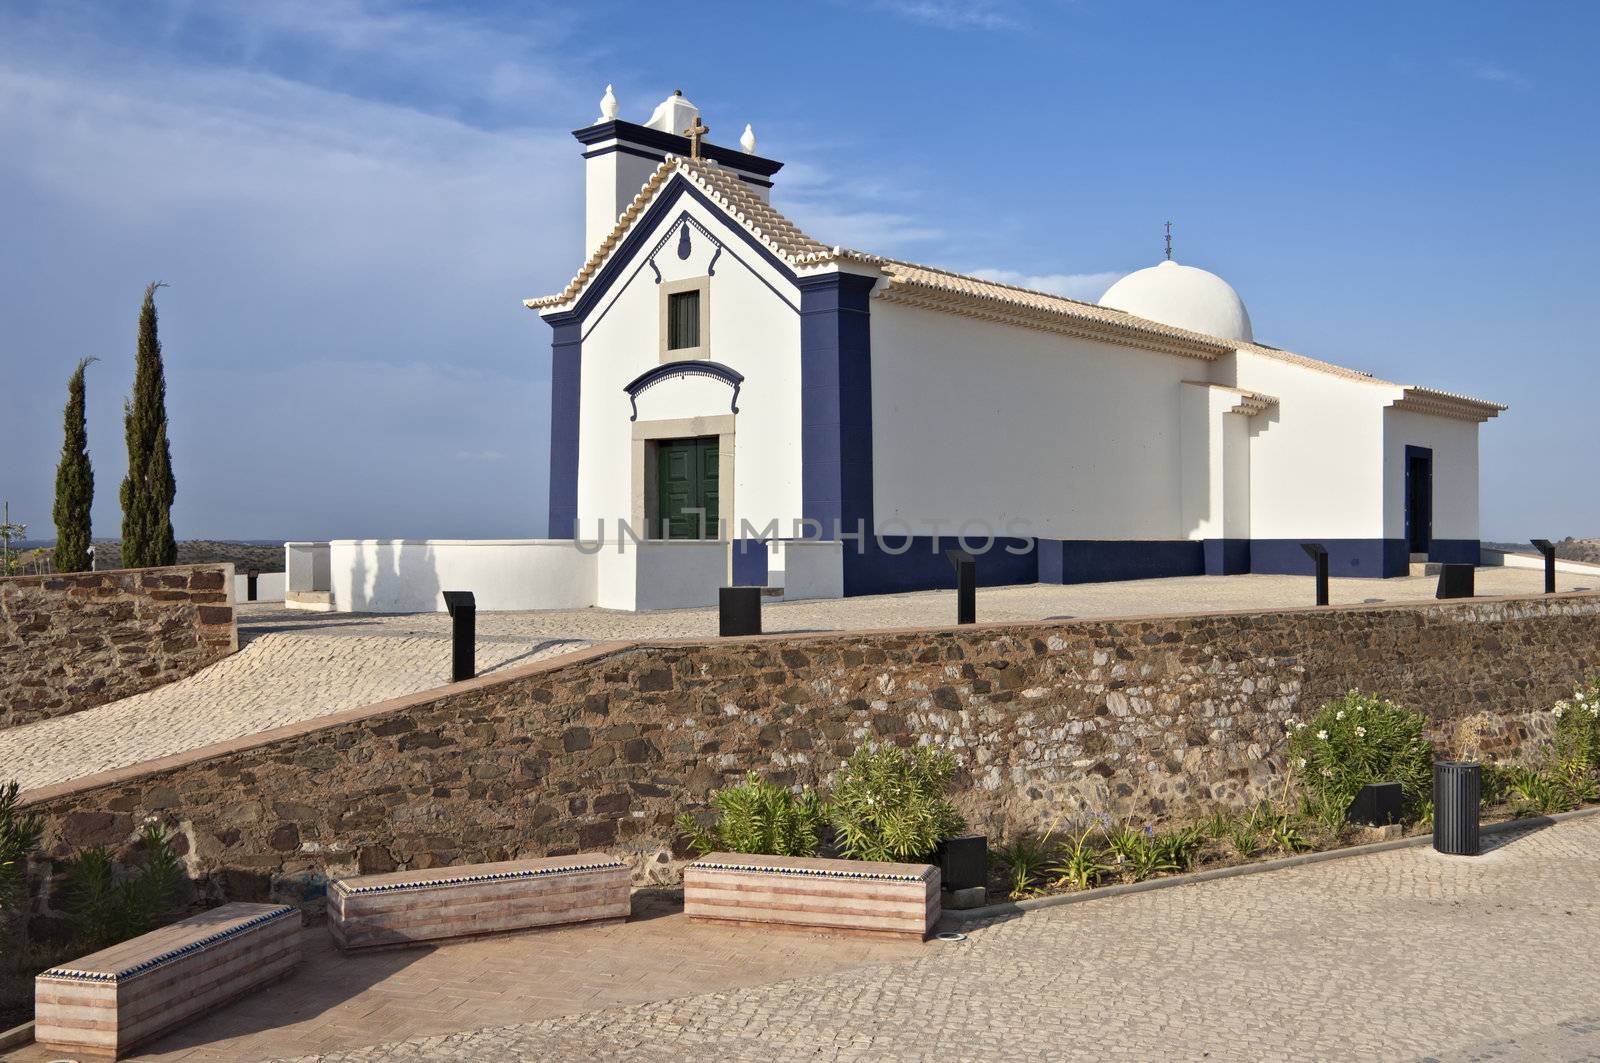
(1085, 286)
(954, 14)
(1495, 74)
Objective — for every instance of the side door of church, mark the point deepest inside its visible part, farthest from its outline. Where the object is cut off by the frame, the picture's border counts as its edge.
(687, 489)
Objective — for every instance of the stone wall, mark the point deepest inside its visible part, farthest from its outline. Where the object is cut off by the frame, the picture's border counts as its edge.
(1163, 717)
(76, 640)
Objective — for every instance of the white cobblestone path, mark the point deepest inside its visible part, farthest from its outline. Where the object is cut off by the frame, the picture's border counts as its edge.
(297, 666)
(1403, 955)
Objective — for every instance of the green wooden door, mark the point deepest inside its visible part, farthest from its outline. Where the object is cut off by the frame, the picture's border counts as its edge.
(686, 489)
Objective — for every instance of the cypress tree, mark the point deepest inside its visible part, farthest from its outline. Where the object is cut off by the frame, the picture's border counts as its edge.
(149, 489)
(74, 481)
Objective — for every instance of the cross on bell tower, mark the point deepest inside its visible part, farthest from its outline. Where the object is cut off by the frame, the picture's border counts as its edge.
(694, 133)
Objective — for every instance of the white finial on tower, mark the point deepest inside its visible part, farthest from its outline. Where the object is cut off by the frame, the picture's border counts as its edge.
(747, 140)
(608, 106)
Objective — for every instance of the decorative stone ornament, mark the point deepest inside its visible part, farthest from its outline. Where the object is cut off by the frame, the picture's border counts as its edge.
(747, 140)
(608, 106)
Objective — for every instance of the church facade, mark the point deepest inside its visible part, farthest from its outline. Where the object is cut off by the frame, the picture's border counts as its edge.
(835, 420)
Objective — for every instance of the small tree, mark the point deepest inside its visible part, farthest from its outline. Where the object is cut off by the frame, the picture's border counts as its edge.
(74, 481)
(8, 531)
(149, 489)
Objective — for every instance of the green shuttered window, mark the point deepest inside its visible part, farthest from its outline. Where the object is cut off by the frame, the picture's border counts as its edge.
(683, 320)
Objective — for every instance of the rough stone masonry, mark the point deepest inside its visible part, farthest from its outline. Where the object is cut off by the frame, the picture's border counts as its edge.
(76, 640)
(1142, 718)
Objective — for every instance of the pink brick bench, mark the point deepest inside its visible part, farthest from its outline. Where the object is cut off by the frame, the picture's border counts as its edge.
(106, 1003)
(809, 893)
(410, 907)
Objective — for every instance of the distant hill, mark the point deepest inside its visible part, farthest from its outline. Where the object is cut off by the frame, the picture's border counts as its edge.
(262, 555)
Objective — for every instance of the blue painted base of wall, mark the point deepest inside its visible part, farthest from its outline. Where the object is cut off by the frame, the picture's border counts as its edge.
(749, 562)
(1227, 557)
(1358, 558)
(1454, 551)
(1068, 561)
(923, 566)
(1111, 560)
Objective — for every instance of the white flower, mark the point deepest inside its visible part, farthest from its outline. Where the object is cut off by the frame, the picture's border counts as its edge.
(1322, 735)
(1361, 732)
(1559, 710)
(1301, 726)
(1339, 715)
(1300, 762)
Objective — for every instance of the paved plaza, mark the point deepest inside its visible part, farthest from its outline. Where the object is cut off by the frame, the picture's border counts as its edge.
(296, 666)
(1400, 955)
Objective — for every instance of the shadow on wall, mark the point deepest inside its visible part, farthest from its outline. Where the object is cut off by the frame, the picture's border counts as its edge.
(395, 576)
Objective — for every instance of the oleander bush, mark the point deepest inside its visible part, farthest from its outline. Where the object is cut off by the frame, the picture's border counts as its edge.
(1355, 740)
(758, 817)
(892, 804)
(19, 839)
(106, 903)
(1576, 746)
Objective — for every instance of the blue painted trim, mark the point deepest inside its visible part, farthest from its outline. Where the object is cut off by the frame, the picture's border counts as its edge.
(1113, 560)
(1362, 558)
(1427, 454)
(1227, 557)
(1455, 551)
(836, 413)
(633, 133)
(688, 367)
(897, 564)
(749, 562)
(566, 381)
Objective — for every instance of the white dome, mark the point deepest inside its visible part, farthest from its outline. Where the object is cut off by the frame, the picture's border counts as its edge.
(1184, 297)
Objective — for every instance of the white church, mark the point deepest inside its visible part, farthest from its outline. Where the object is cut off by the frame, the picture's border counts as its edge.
(734, 401)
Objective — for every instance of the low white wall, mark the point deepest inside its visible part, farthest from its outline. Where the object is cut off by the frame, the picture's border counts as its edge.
(812, 569)
(410, 575)
(306, 564)
(269, 587)
(678, 574)
(1501, 559)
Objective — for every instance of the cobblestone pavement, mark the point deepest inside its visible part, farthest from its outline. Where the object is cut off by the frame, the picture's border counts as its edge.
(297, 666)
(1402, 955)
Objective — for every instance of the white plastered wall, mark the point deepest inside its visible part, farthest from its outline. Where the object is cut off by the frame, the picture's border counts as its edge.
(1455, 472)
(752, 331)
(1216, 463)
(975, 420)
(1316, 458)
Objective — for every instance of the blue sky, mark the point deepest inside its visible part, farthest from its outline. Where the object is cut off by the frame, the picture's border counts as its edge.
(350, 200)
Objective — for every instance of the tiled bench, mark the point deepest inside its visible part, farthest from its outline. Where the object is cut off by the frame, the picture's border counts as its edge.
(106, 1003)
(408, 907)
(810, 893)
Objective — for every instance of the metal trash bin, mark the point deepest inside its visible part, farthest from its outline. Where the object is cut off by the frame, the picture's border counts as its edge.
(1457, 802)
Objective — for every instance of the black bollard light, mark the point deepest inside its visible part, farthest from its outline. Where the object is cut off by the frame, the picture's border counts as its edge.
(739, 611)
(463, 608)
(1457, 804)
(1455, 581)
(966, 585)
(1548, 549)
(1319, 553)
(250, 586)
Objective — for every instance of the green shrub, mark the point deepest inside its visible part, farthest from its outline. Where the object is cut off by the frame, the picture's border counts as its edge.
(758, 817)
(890, 804)
(106, 905)
(1025, 862)
(1080, 862)
(19, 837)
(1359, 739)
